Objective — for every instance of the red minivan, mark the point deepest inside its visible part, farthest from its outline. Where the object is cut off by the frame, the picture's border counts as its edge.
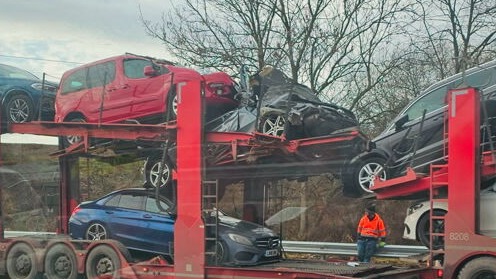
(136, 88)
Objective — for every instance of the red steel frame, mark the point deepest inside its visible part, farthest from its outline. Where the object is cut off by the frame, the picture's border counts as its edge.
(462, 178)
(189, 230)
(189, 246)
(462, 241)
(458, 143)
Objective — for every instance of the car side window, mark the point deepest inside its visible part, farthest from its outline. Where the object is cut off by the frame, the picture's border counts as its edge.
(75, 82)
(481, 79)
(101, 74)
(113, 201)
(131, 201)
(134, 68)
(429, 102)
(151, 205)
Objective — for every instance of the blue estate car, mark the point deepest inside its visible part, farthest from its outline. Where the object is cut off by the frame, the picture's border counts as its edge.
(133, 217)
(23, 95)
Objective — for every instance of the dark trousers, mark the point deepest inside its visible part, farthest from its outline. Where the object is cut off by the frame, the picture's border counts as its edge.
(366, 248)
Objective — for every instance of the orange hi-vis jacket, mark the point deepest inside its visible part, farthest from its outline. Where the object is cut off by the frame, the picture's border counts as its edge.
(374, 228)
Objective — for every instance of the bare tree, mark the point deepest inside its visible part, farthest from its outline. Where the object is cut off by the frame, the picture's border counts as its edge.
(445, 38)
(456, 35)
(362, 52)
(371, 56)
(219, 34)
(317, 42)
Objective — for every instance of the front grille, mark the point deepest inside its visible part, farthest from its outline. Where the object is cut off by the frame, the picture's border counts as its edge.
(268, 242)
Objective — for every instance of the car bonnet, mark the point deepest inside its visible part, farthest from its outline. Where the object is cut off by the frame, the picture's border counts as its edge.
(244, 227)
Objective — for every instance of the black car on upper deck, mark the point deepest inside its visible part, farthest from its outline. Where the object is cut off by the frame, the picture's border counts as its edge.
(283, 109)
(415, 137)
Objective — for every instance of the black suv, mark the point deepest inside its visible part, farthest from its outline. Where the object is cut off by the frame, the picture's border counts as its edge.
(415, 138)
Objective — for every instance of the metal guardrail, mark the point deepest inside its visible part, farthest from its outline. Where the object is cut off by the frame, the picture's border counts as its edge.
(349, 249)
(307, 247)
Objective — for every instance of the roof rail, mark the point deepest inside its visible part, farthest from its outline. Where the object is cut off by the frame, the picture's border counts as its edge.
(160, 61)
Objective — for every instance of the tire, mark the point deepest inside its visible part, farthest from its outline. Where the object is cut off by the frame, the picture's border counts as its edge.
(19, 109)
(483, 267)
(423, 233)
(96, 231)
(362, 176)
(221, 254)
(21, 262)
(273, 124)
(103, 260)
(152, 167)
(61, 263)
(70, 140)
(172, 105)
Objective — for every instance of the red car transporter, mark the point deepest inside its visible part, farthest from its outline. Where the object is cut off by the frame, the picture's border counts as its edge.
(28, 257)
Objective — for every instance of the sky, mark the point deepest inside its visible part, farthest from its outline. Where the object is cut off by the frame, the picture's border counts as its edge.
(53, 36)
(75, 31)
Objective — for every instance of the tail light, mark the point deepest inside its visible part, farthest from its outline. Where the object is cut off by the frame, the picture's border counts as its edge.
(75, 210)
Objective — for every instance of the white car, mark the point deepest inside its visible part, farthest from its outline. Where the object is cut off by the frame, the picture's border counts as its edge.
(417, 218)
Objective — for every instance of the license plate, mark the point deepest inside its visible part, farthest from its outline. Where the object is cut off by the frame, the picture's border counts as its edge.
(271, 253)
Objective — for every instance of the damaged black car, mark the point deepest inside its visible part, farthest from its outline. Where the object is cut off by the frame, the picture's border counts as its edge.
(272, 104)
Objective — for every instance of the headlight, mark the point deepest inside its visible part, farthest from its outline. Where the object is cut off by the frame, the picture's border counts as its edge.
(414, 208)
(239, 239)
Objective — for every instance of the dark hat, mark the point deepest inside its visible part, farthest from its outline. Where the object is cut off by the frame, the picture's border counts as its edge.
(370, 208)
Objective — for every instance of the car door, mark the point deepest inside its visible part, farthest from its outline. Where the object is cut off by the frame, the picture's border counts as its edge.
(127, 223)
(426, 138)
(72, 92)
(416, 138)
(159, 232)
(110, 100)
(149, 93)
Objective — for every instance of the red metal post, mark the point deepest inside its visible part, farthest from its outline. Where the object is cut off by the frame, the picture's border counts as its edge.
(189, 231)
(69, 190)
(464, 157)
(462, 240)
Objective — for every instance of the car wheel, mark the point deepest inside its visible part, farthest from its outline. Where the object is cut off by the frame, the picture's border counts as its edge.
(21, 262)
(70, 140)
(172, 106)
(273, 124)
(359, 181)
(103, 262)
(61, 263)
(483, 267)
(96, 231)
(220, 254)
(19, 109)
(152, 171)
(423, 230)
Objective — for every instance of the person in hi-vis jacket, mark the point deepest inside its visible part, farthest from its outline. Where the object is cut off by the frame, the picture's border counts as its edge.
(371, 234)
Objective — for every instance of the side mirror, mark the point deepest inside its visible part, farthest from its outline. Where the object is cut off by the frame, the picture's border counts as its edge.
(149, 71)
(400, 122)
